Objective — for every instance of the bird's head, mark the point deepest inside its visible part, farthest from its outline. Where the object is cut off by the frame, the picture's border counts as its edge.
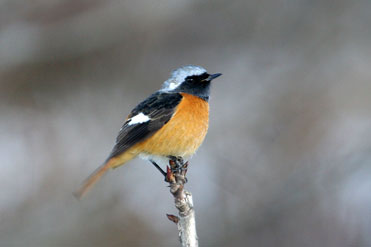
(190, 79)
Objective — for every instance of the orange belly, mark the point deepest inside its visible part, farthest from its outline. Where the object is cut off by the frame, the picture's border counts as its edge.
(183, 134)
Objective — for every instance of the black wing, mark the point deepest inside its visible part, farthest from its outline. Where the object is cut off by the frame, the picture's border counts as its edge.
(159, 107)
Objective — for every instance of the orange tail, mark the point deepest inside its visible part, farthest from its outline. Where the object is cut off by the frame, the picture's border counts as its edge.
(98, 173)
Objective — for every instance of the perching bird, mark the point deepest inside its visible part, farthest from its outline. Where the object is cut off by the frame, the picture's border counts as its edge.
(172, 122)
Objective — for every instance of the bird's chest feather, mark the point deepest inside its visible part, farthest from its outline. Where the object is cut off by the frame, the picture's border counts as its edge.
(185, 131)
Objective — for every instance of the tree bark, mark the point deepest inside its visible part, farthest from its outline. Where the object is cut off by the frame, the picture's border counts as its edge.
(186, 221)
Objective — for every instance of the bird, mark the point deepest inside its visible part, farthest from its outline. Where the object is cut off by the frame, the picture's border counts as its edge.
(172, 122)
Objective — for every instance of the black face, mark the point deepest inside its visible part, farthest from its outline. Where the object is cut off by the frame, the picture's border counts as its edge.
(198, 85)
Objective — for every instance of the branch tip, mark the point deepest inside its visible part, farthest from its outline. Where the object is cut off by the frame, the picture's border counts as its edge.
(176, 177)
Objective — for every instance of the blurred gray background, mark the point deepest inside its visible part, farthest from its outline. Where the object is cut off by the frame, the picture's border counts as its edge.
(287, 158)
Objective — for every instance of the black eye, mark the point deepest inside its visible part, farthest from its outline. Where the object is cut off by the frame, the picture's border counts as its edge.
(204, 76)
(197, 78)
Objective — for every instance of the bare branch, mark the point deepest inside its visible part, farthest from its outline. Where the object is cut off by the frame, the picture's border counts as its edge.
(186, 220)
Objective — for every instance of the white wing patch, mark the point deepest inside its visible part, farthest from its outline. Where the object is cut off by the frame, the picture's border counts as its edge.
(137, 119)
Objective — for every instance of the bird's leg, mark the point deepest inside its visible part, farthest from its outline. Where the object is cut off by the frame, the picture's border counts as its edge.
(159, 168)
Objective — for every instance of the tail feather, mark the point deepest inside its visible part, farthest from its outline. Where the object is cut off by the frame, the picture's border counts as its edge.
(94, 177)
(98, 173)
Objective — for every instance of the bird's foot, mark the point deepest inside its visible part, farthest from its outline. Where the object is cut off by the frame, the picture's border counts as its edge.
(176, 169)
(177, 164)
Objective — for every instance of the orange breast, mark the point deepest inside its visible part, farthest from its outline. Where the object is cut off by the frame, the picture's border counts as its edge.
(184, 133)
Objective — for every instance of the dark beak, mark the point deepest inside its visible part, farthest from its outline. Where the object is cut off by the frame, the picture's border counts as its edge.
(213, 76)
